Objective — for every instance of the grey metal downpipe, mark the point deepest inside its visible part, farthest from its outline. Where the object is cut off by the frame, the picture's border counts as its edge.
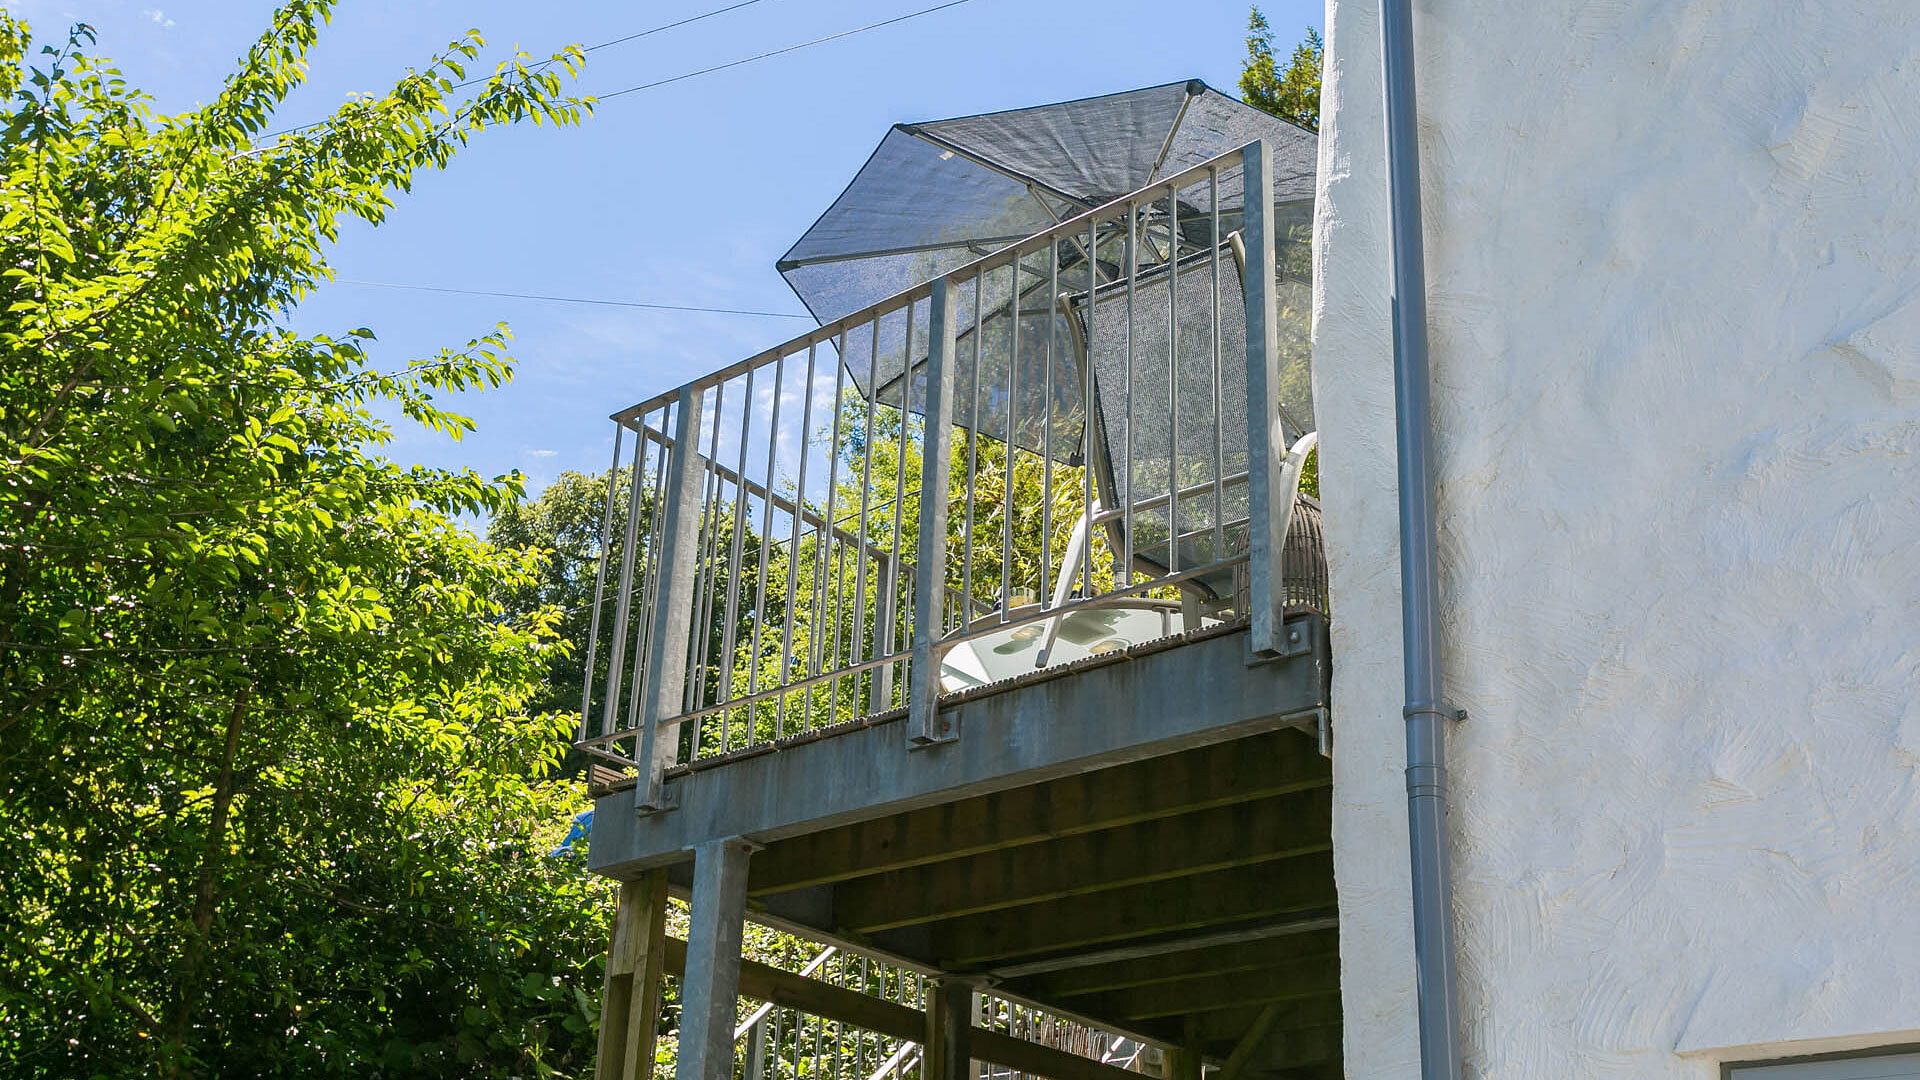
(1419, 590)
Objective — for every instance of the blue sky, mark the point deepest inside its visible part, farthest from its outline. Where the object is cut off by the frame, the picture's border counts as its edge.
(682, 194)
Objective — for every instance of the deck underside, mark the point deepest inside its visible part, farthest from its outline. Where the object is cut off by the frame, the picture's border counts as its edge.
(1144, 844)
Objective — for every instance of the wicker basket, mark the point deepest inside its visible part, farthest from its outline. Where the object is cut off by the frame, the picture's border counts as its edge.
(1304, 562)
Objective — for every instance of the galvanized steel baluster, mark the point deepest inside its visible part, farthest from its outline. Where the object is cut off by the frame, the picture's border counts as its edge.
(600, 585)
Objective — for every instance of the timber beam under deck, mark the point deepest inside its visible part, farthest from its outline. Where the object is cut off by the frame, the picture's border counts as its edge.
(1145, 845)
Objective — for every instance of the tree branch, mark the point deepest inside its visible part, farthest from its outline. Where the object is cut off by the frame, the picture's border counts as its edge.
(206, 896)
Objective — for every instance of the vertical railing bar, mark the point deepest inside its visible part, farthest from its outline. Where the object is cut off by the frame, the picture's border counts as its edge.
(818, 1025)
(1011, 448)
(766, 540)
(860, 1035)
(839, 1028)
(842, 630)
(729, 628)
(710, 558)
(1123, 574)
(793, 552)
(930, 571)
(636, 629)
(831, 564)
(899, 506)
(697, 675)
(1173, 380)
(617, 659)
(858, 644)
(600, 583)
(973, 461)
(1219, 401)
(1087, 404)
(695, 685)
(650, 582)
(1047, 418)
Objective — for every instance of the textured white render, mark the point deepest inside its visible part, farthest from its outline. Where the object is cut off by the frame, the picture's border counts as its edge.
(1353, 403)
(1674, 257)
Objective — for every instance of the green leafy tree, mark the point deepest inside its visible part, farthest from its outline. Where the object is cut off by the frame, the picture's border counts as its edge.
(562, 527)
(266, 722)
(1291, 93)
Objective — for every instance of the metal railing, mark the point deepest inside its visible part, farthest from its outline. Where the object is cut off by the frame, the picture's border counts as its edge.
(775, 1042)
(1037, 457)
(779, 1042)
(1037, 1025)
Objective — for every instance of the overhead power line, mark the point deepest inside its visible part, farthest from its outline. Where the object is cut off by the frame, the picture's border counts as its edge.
(782, 51)
(669, 26)
(690, 74)
(543, 65)
(570, 299)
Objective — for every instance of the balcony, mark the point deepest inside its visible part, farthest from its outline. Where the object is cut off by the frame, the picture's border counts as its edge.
(1032, 462)
(990, 617)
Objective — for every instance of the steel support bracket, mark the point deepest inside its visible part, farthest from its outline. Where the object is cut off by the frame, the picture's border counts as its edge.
(1322, 720)
(658, 801)
(1296, 637)
(938, 728)
(1295, 640)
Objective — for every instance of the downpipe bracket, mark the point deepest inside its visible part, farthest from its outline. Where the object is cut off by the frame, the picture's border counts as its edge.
(1434, 708)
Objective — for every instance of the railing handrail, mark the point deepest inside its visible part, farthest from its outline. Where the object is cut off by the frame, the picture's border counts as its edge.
(826, 332)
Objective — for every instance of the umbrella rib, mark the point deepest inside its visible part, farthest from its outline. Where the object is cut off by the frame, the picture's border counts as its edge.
(1166, 145)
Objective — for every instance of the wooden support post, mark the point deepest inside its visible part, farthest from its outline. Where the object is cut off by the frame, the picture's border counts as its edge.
(1183, 1063)
(949, 1030)
(630, 1002)
(710, 990)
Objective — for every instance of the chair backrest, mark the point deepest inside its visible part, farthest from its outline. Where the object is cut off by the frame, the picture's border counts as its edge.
(1168, 363)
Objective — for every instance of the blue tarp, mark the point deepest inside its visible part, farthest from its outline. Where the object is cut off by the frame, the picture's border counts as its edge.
(582, 824)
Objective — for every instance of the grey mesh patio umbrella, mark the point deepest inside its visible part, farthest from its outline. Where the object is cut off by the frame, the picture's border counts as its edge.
(937, 195)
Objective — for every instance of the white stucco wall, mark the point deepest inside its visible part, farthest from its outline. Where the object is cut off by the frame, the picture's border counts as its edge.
(1674, 255)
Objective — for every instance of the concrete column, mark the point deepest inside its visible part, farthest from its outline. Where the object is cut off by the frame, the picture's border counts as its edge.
(710, 990)
(949, 1053)
(630, 1001)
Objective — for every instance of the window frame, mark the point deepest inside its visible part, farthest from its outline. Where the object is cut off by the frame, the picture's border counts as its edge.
(1727, 1068)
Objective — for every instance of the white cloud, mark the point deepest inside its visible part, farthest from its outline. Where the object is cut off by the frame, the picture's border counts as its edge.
(159, 18)
(543, 453)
